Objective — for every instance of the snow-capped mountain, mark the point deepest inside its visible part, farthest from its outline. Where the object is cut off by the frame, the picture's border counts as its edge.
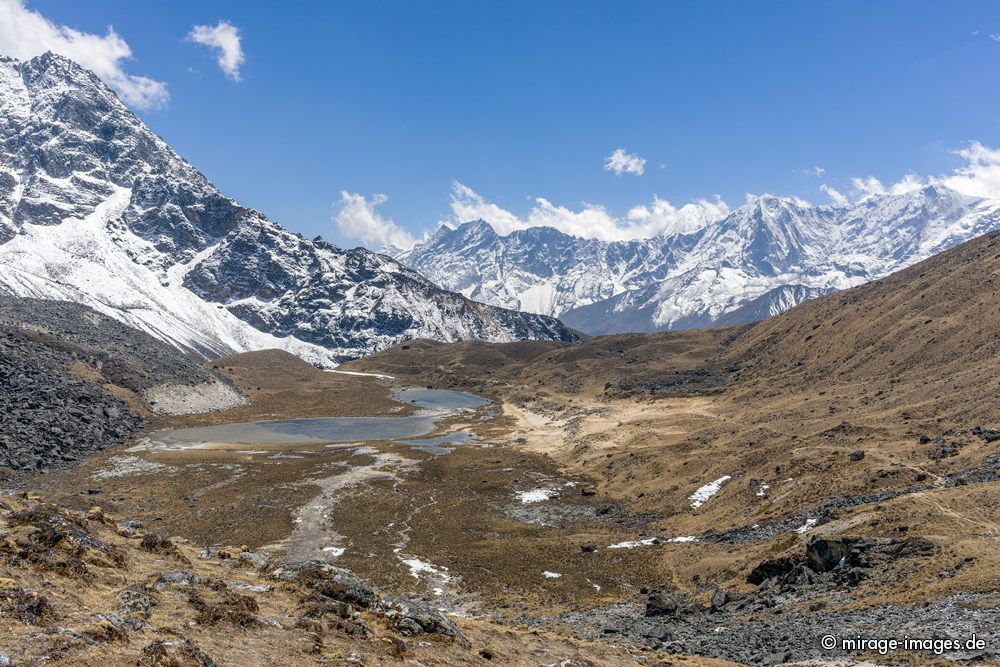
(761, 259)
(95, 208)
(541, 269)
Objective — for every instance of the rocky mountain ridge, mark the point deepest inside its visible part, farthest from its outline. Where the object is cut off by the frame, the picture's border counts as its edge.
(761, 259)
(97, 209)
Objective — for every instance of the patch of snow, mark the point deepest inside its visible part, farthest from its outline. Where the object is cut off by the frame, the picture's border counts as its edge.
(536, 495)
(419, 567)
(650, 541)
(379, 376)
(807, 526)
(636, 543)
(703, 493)
(551, 575)
(762, 490)
(336, 552)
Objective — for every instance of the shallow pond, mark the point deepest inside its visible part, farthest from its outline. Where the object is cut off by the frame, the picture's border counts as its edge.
(434, 404)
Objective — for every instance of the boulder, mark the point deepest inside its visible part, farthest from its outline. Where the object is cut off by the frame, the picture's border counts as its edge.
(415, 618)
(661, 603)
(328, 580)
(770, 568)
(826, 554)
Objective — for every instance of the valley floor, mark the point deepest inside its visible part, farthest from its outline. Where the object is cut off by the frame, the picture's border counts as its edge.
(632, 521)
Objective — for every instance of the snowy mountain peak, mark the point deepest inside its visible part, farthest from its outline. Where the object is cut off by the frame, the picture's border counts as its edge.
(96, 208)
(763, 257)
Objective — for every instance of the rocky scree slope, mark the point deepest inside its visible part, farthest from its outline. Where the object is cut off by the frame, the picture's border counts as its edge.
(763, 258)
(73, 381)
(96, 209)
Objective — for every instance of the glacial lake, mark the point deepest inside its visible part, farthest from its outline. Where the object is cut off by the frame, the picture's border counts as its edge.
(433, 404)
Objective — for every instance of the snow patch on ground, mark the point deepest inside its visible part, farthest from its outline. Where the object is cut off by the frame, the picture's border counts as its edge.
(633, 544)
(419, 567)
(703, 493)
(807, 526)
(651, 541)
(536, 495)
(551, 575)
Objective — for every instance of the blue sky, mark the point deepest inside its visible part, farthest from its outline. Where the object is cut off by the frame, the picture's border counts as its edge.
(521, 100)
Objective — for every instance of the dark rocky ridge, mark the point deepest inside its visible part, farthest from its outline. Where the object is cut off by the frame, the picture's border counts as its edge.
(49, 415)
(124, 356)
(58, 365)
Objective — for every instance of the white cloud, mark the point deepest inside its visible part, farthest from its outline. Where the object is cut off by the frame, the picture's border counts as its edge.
(865, 187)
(25, 34)
(621, 162)
(663, 218)
(358, 219)
(834, 195)
(995, 36)
(467, 205)
(591, 220)
(980, 177)
(815, 171)
(868, 186)
(225, 38)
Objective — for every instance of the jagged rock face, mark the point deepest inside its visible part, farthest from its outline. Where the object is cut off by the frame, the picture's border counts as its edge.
(540, 269)
(761, 259)
(67, 140)
(97, 209)
(331, 297)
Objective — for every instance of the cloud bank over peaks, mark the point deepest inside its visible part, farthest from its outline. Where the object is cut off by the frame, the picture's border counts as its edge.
(358, 219)
(979, 176)
(660, 217)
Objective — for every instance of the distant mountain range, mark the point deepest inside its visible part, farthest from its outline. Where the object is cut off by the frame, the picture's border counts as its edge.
(763, 258)
(96, 209)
